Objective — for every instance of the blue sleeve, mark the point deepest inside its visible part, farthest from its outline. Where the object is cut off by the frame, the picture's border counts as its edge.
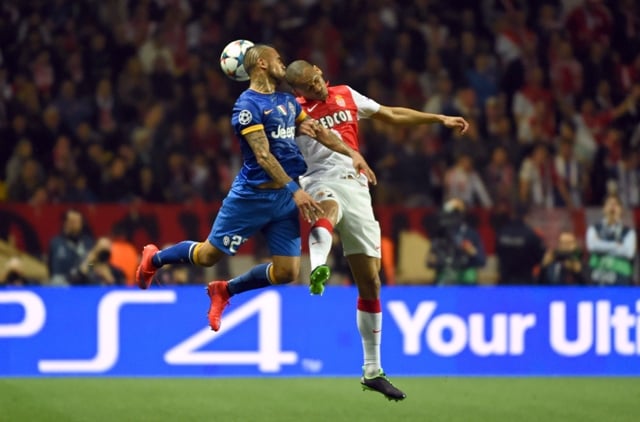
(247, 117)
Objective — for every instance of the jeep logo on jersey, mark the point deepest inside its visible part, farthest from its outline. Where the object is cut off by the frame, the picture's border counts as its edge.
(331, 120)
(283, 133)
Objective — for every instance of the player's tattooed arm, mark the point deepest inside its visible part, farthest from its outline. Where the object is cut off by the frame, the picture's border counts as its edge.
(310, 209)
(259, 144)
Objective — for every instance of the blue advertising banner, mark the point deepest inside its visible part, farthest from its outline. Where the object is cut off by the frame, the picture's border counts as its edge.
(284, 331)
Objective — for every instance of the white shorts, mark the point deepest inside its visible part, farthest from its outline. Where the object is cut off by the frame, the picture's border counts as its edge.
(358, 228)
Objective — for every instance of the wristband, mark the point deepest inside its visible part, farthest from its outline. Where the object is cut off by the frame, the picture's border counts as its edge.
(292, 186)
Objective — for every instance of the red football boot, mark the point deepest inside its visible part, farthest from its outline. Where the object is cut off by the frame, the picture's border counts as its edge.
(219, 295)
(146, 270)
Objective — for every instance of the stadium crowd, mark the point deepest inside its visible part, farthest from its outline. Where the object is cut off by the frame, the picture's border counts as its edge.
(124, 100)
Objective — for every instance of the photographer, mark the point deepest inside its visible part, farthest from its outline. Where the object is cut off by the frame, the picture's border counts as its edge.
(612, 247)
(97, 270)
(564, 265)
(456, 251)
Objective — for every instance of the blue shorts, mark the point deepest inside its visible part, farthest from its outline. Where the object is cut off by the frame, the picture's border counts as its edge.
(243, 213)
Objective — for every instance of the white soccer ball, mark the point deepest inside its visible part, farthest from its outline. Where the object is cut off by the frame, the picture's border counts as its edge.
(232, 60)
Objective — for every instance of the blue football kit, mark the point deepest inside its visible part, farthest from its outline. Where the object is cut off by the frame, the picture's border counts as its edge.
(248, 208)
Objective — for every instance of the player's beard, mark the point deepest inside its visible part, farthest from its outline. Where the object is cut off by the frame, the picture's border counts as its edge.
(277, 73)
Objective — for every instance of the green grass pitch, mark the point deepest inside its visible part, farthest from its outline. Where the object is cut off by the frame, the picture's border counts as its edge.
(318, 399)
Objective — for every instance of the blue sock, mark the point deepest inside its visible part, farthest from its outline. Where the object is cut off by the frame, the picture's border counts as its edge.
(180, 253)
(255, 278)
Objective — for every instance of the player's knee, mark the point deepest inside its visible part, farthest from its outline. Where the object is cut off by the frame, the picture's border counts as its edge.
(206, 255)
(285, 275)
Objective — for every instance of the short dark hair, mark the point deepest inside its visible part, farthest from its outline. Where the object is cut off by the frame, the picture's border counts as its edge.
(252, 55)
(295, 70)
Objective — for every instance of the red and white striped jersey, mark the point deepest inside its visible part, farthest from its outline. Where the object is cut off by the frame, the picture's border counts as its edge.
(340, 112)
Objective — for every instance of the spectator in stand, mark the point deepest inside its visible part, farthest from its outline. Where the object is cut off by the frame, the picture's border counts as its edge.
(612, 247)
(589, 22)
(155, 50)
(50, 130)
(628, 74)
(538, 180)
(133, 90)
(626, 29)
(116, 184)
(500, 177)
(564, 265)
(599, 121)
(483, 78)
(524, 103)
(442, 98)
(106, 111)
(148, 188)
(74, 109)
(30, 179)
(597, 67)
(471, 144)
(626, 178)
(571, 177)
(566, 71)
(22, 152)
(433, 71)
(605, 163)
(463, 182)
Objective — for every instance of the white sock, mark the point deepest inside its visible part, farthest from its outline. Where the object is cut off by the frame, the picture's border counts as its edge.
(320, 241)
(369, 318)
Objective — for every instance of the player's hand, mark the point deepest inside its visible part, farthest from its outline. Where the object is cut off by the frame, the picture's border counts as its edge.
(455, 123)
(361, 166)
(309, 208)
(308, 127)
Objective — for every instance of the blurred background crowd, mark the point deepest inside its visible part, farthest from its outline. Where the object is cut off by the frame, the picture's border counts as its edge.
(124, 100)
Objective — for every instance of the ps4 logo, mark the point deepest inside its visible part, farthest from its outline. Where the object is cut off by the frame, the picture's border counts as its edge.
(268, 356)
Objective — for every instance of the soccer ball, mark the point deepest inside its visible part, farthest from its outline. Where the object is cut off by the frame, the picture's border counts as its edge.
(232, 59)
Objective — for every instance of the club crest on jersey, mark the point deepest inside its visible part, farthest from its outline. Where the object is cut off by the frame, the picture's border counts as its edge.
(340, 101)
(292, 109)
(282, 109)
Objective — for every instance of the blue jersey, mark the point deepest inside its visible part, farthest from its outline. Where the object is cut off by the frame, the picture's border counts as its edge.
(276, 114)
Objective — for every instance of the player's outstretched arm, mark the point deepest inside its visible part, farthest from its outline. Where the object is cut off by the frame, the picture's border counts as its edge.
(411, 117)
(259, 144)
(329, 139)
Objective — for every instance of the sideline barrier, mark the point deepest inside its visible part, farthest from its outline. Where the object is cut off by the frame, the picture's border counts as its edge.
(525, 331)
